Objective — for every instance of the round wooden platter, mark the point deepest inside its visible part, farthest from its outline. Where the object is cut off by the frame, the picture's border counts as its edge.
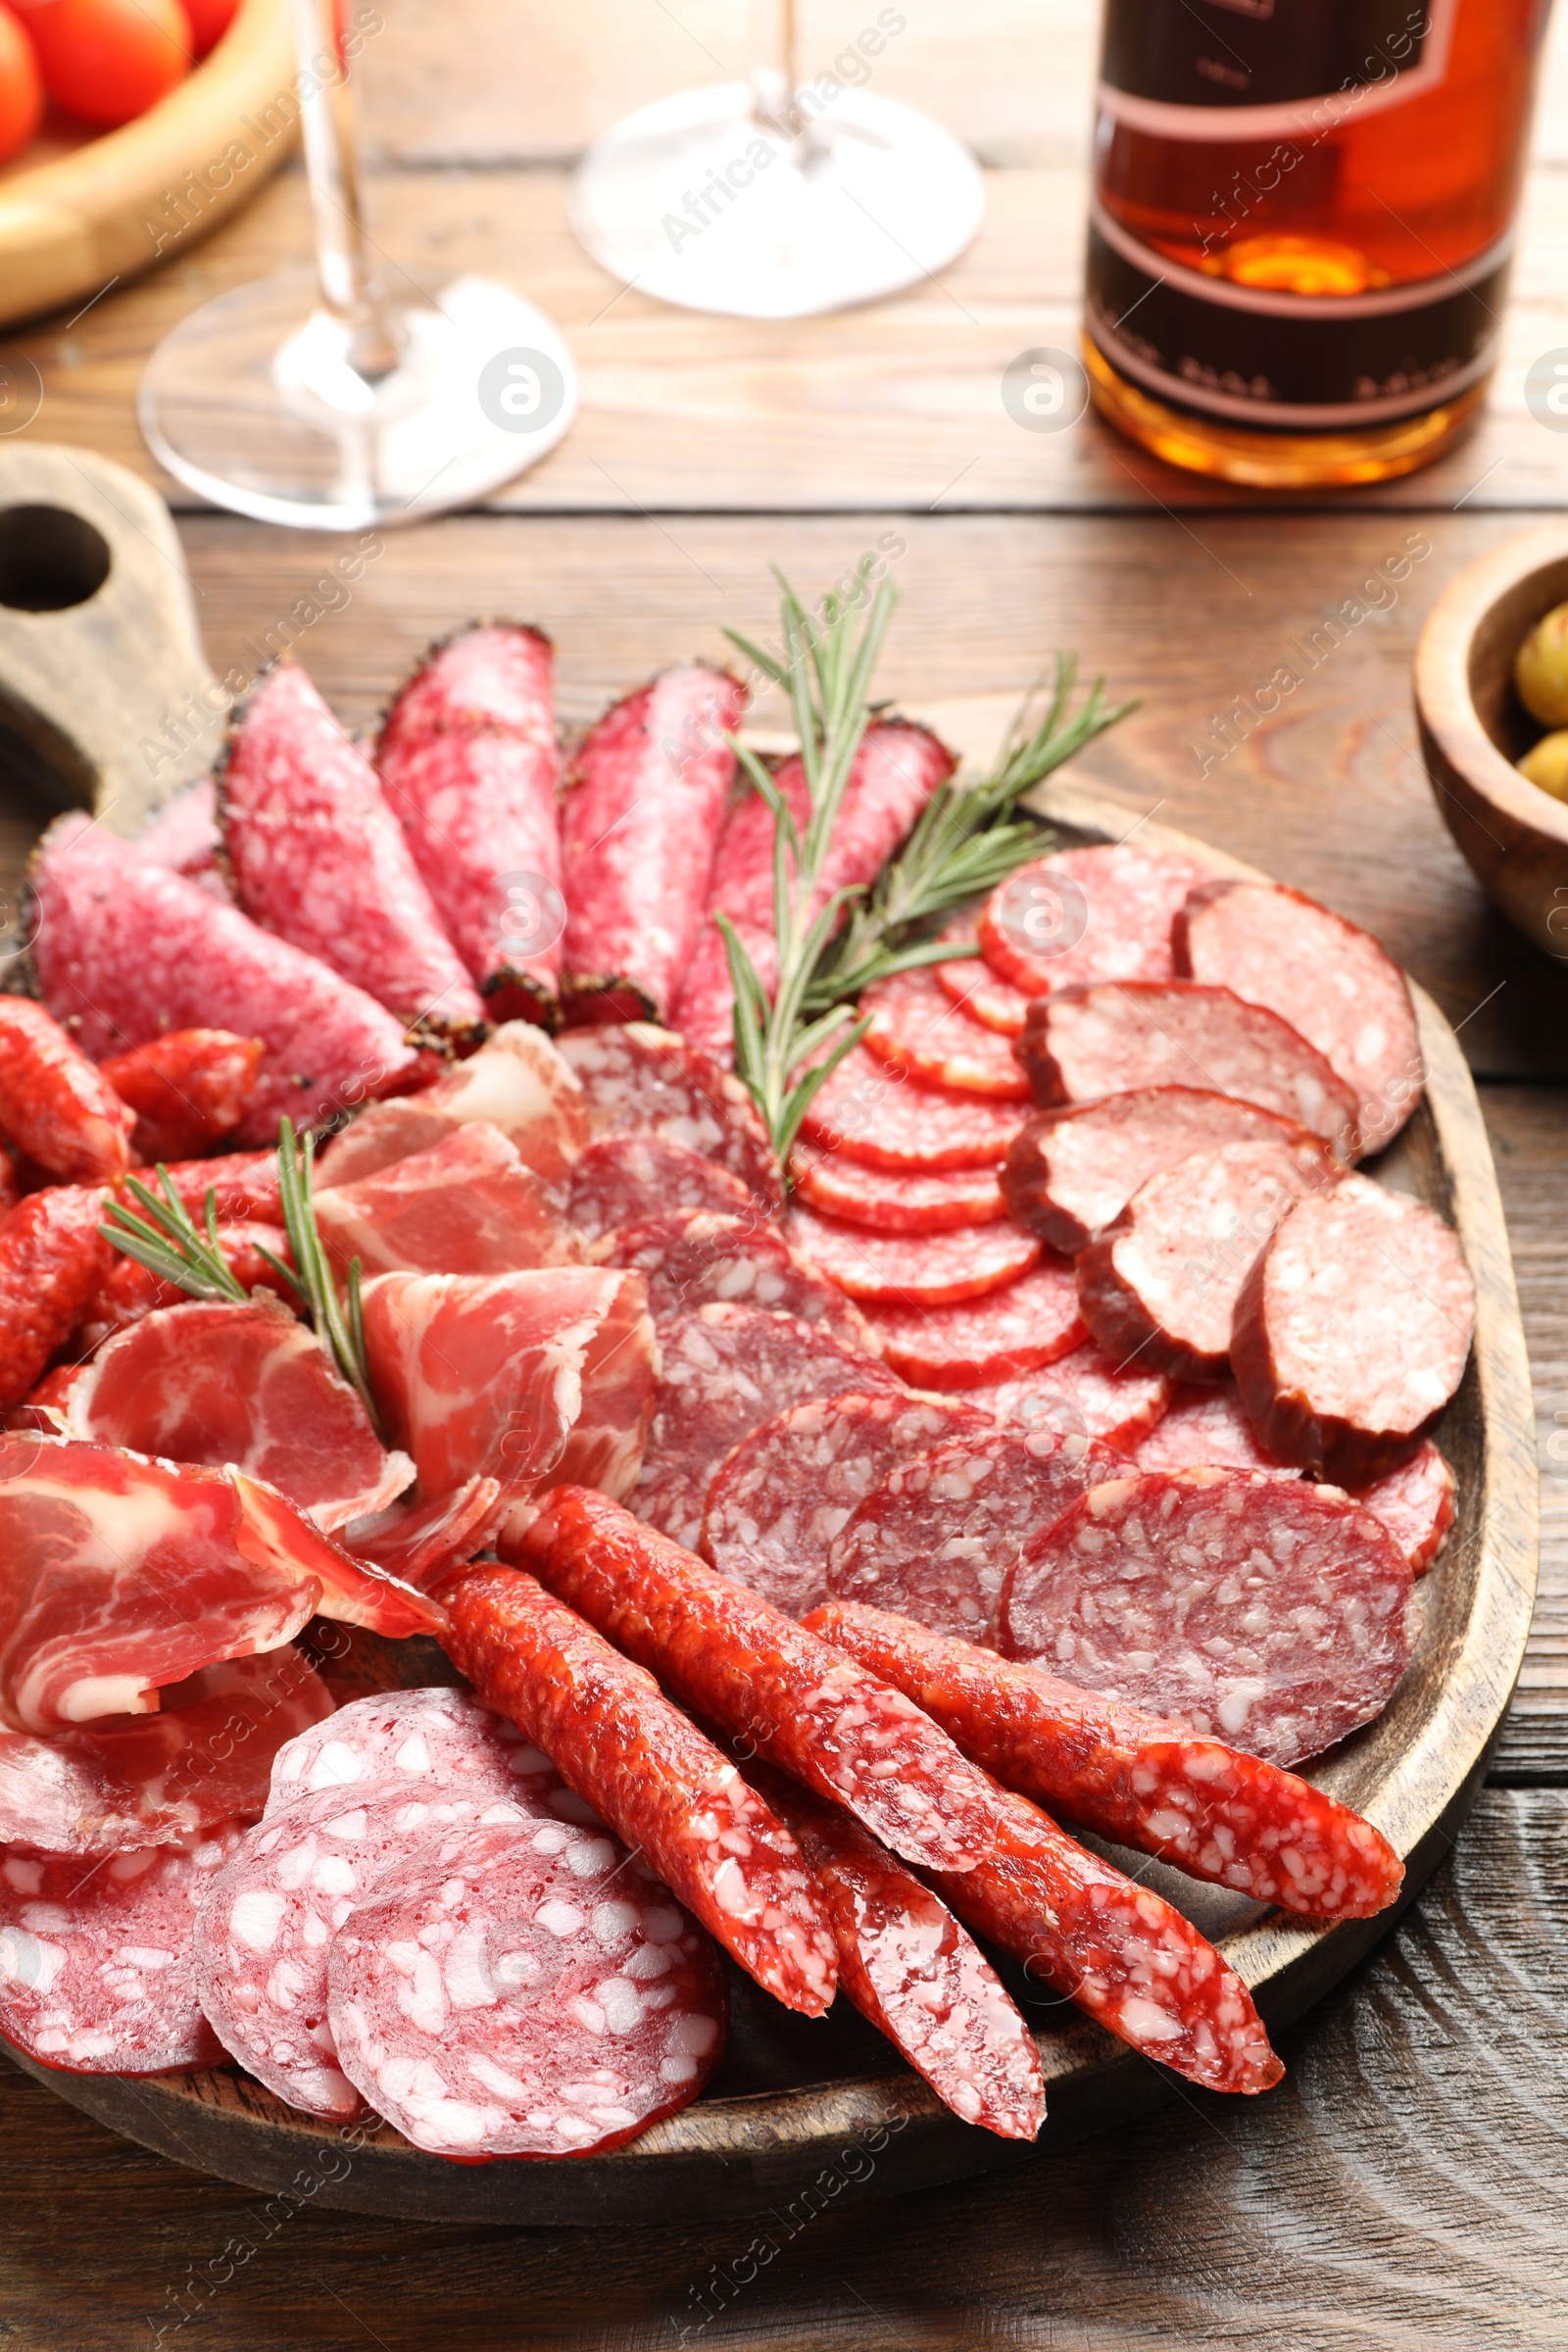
(74, 224)
(801, 2109)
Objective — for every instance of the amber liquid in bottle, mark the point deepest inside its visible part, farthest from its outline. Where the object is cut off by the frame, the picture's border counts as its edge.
(1301, 227)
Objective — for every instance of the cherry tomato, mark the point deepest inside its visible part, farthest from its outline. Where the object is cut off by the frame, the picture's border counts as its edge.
(209, 19)
(20, 87)
(107, 61)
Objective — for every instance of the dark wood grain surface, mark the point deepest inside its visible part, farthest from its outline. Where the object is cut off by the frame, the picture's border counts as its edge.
(1405, 2186)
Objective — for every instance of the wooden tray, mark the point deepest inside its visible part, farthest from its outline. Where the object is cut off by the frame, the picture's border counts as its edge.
(801, 2109)
(72, 226)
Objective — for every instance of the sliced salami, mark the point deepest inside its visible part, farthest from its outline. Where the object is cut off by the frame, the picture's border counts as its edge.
(183, 836)
(1159, 1286)
(1216, 1813)
(884, 1202)
(1090, 1042)
(625, 1178)
(426, 1741)
(1071, 1171)
(1353, 1332)
(693, 1259)
(646, 794)
(95, 1957)
(935, 1538)
(517, 1083)
(640, 1080)
(1330, 980)
(868, 1113)
(1086, 1393)
(1417, 1504)
(317, 855)
(986, 997)
(468, 1206)
(918, 1029)
(1083, 915)
(725, 1371)
(779, 1499)
(501, 1995)
(1206, 1427)
(915, 1270)
(268, 1919)
(1018, 1329)
(1262, 1611)
(467, 761)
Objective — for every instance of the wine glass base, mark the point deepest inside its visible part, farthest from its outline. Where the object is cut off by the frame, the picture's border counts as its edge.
(252, 401)
(699, 201)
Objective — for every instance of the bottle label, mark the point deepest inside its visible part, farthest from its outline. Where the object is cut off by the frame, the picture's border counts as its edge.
(1253, 68)
(1258, 358)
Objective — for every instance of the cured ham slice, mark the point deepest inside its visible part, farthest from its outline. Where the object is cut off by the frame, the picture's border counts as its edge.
(146, 1780)
(518, 1377)
(517, 1082)
(468, 1206)
(211, 1382)
(423, 1543)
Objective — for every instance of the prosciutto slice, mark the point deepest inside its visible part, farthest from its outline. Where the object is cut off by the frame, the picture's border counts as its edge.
(146, 1780)
(468, 1205)
(518, 1377)
(517, 1082)
(206, 1382)
(119, 1576)
(423, 1542)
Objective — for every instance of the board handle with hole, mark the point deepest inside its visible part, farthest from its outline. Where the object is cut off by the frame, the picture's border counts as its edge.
(103, 689)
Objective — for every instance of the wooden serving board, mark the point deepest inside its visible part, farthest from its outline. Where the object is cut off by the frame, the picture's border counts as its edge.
(799, 2109)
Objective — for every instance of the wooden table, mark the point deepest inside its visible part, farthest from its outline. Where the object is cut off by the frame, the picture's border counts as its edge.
(1406, 2187)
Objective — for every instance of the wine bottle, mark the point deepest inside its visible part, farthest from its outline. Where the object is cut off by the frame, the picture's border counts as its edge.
(1301, 227)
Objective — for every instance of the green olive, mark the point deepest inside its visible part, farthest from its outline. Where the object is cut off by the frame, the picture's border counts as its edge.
(1547, 764)
(1540, 669)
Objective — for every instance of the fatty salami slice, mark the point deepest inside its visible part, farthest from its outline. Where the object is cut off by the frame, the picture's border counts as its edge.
(1025, 1325)
(1417, 1504)
(468, 759)
(637, 1079)
(125, 950)
(496, 1996)
(1088, 1042)
(724, 1371)
(1216, 1813)
(1262, 1611)
(883, 1203)
(734, 1658)
(431, 1740)
(693, 1259)
(918, 1029)
(1206, 1427)
(1330, 980)
(625, 1178)
(317, 855)
(1353, 1332)
(1083, 915)
(934, 1540)
(782, 1495)
(96, 1971)
(1070, 1172)
(915, 1270)
(1159, 1286)
(986, 997)
(466, 1205)
(268, 1919)
(1086, 1393)
(871, 1115)
(644, 1768)
(646, 793)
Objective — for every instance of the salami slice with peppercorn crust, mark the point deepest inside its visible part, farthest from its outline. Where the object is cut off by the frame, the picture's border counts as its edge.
(1083, 915)
(1262, 1611)
(1017, 1328)
(648, 1770)
(467, 761)
(623, 1179)
(54, 1105)
(1112, 1040)
(733, 1657)
(646, 794)
(1330, 980)
(1214, 1812)
(693, 1259)
(317, 856)
(1353, 1332)
(637, 1079)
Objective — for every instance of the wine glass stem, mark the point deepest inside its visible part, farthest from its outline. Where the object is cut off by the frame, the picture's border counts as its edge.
(775, 78)
(332, 169)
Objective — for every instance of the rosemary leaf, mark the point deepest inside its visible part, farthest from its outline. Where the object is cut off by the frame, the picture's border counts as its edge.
(165, 1240)
(342, 1336)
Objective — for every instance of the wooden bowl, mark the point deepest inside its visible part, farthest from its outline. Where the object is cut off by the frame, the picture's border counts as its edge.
(1474, 727)
(112, 207)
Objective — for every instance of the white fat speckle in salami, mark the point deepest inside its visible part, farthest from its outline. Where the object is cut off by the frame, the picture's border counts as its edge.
(1020, 1327)
(1416, 1505)
(637, 1079)
(1087, 1393)
(625, 1178)
(431, 1738)
(692, 1259)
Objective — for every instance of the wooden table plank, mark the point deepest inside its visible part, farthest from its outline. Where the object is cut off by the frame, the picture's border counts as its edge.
(1403, 2188)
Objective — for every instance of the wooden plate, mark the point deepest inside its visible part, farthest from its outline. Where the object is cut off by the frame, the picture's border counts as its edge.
(114, 205)
(800, 2110)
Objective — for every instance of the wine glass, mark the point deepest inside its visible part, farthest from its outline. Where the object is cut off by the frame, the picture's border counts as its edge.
(327, 397)
(777, 198)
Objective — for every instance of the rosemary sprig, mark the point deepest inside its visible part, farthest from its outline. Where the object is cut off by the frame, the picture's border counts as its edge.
(339, 1328)
(165, 1240)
